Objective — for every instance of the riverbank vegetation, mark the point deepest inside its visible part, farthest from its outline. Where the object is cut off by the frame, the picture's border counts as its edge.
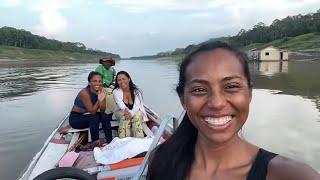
(310, 41)
(10, 52)
(22, 44)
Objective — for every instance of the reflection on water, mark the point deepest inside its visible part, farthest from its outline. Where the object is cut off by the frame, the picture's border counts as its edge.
(294, 78)
(269, 68)
(34, 97)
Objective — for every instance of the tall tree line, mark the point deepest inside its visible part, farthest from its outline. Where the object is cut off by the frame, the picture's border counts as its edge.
(290, 26)
(10, 36)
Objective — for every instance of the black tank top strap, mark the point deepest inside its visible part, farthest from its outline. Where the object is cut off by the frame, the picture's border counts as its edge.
(259, 168)
(130, 106)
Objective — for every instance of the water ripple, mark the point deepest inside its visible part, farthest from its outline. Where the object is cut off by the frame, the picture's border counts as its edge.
(24, 81)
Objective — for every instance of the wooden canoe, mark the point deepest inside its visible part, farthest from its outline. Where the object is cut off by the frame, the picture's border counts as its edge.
(65, 140)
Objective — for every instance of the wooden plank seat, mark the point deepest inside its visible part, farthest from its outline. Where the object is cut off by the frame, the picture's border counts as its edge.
(114, 126)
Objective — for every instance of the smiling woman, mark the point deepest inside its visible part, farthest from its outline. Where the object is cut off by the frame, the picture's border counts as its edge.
(88, 109)
(130, 108)
(215, 90)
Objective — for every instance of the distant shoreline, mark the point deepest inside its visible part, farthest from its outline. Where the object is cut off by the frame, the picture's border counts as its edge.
(21, 54)
(306, 54)
(24, 54)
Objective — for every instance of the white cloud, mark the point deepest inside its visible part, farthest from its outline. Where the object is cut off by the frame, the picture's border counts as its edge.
(138, 5)
(153, 33)
(105, 38)
(247, 13)
(200, 14)
(90, 3)
(150, 5)
(136, 10)
(52, 21)
(10, 3)
(102, 38)
(235, 7)
(219, 3)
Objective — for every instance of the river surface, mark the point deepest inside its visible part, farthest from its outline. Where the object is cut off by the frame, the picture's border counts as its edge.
(34, 98)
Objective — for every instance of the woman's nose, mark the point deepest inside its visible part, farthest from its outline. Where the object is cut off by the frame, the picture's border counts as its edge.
(216, 100)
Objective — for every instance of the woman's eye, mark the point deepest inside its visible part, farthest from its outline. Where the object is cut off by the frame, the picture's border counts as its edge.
(232, 86)
(198, 90)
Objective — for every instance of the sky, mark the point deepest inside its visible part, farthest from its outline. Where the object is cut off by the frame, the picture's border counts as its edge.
(144, 27)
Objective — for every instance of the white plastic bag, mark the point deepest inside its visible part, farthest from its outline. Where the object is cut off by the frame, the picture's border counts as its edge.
(121, 149)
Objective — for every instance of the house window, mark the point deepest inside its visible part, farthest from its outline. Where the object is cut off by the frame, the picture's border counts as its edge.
(267, 53)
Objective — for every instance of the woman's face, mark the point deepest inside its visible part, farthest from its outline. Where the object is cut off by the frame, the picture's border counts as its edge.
(123, 81)
(96, 83)
(216, 95)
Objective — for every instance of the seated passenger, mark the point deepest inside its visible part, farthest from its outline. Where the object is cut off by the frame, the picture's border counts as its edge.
(130, 110)
(89, 107)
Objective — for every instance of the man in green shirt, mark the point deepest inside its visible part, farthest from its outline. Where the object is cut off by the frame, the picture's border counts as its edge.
(106, 70)
(108, 74)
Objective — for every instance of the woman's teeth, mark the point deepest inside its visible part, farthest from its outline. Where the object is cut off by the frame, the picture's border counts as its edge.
(218, 121)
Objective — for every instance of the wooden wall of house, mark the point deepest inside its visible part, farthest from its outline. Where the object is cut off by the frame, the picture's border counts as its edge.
(269, 54)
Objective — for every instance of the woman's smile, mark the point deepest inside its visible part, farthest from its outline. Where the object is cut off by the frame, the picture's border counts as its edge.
(217, 121)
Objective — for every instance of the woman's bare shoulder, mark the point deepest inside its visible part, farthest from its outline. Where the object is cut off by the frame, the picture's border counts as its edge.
(83, 93)
(284, 168)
